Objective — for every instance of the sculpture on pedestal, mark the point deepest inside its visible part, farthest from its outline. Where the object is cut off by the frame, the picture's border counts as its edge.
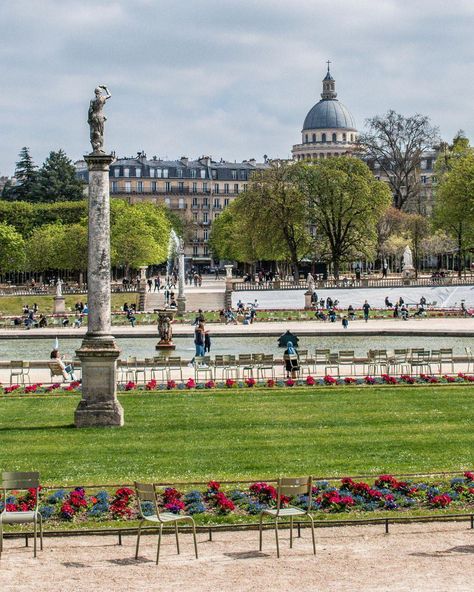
(165, 318)
(96, 118)
(59, 292)
(408, 269)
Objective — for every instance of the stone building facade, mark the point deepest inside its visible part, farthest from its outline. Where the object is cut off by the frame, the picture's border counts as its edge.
(196, 190)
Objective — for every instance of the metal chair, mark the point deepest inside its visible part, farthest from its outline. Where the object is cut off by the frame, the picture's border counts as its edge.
(246, 365)
(134, 368)
(305, 363)
(21, 370)
(266, 363)
(21, 481)
(202, 365)
(159, 367)
(146, 492)
(470, 358)
(446, 357)
(420, 360)
(289, 487)
(398, 364)
(174, 365)
(346, 358)
(321, 358)
(332, 363)
(378, 362)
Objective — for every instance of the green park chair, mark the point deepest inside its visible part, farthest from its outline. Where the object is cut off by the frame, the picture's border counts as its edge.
(146, 492)
(289, 487)
(20, 369)
(202, 365)
(19, 482)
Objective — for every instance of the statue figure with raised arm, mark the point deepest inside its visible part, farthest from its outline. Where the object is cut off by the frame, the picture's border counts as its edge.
(96, 118)
(59, 292)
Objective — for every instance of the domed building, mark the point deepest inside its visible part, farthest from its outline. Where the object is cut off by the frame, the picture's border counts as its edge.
(328, 129)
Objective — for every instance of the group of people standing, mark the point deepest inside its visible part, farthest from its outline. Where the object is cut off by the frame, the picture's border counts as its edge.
(202, 337)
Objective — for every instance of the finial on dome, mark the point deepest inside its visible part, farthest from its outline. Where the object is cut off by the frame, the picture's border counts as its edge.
(329, 85)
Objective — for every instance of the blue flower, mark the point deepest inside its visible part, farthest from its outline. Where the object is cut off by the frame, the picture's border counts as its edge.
(57, 496)
(103, 496)
(148, 508)
(193, 497)
(256, 507)
(46, 511)
(196, 508)
(237, 495)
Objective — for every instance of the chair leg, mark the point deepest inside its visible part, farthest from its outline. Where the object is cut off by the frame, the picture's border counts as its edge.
(1, 537)
(159, 544)
(35, 536)
(177, 537)
(260, 528)
(41, 531)
(138, 539)
(194, 538)
(312, 534)
(276, 538)
(291, 532)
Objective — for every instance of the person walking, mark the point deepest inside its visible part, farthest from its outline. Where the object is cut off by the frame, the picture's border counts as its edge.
(199, 334)
(150, 284)
(157, 284)
(345, 322)
(366, 309)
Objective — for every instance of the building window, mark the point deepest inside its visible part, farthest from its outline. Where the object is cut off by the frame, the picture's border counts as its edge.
(195, 217)
(165, 173)
(181, 187)
(214, 174)
(195, 201)
(344, 137)
(167, 186)
(314, 137)
(205, 201)
(226, 202)
(306, 138)
(167, 201)
(204, 187)
(153, 186)
(323, 137)
(216, 187)
(126, 172)
(128, 186)
(244, 187)
(116, 172)
(234, 174)
(243, 175)
(352, 137)
(217, 202)
(152, 172)
(334, 137)
(195, 251)
(206, 250)
(195, 187)
(203, 173)
(236, 188)
(226, 187)
(181, 204)
(205, 218)
(193, 173)
(138, 172)
(423, 179)
(216, 215)
(114, 186)
(206, 233)
(140, 186)
(159, 173)
(423, 165)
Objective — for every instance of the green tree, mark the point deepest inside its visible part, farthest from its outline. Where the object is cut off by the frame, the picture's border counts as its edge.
(345, 203)
(139, 234)
(275, 211)
(26, 177)
(57, 180)
(12, 249)
(232, 237)
(73, 247)
(44, 247)
(454, 204)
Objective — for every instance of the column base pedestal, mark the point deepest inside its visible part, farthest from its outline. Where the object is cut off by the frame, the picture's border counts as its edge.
(59, 305)
(99, 406)
(165, 346)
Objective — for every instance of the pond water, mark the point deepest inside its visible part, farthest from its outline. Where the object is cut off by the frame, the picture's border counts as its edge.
(39, 349)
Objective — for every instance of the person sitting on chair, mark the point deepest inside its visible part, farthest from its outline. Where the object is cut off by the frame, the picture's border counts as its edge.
(68, 369)
(290, 357)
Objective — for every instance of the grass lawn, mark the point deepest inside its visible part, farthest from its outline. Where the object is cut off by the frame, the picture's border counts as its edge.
(244, 434)
(13, 305)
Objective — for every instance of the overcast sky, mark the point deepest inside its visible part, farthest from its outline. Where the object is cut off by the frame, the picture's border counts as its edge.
(228, 78)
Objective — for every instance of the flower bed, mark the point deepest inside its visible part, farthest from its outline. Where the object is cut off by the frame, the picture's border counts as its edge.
(386, 493)
(230, 383)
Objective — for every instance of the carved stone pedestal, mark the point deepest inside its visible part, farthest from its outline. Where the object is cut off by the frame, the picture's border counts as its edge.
(307, 300)
(181, 305)
(99, 406)
(59, 305)
(165, 318)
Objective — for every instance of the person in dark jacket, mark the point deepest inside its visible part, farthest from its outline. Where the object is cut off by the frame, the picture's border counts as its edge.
(290, 357)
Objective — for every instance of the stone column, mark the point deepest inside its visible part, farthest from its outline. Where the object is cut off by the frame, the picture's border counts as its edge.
(181, 297)
(98, 353)
(142, 289)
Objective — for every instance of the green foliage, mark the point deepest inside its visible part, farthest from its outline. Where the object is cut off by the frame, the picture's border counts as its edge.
(44, 247)
(26, 177)
(139, 234)
(232, 237)
(12, 249)
(345, 202)
(26, 216)
(57, 181)
(454, 202)
(205, 435)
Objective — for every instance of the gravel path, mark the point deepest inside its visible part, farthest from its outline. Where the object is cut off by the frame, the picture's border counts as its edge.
(417, 557)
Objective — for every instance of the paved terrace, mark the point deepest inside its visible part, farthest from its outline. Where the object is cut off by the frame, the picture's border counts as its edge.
(413, 557)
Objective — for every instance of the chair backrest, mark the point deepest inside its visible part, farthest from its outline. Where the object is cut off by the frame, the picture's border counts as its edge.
(446, 354)
(245, 358)
(21, 480)
(174, 361)
(257, 358)
(146, 492)
(401, 355)
(228, 359)
(16, 364)
(346, 356)
(292, 486)
(321, 355)
(219, 361)
(149, 361)
(55, 368)
(268, 358)
(303, 354)
(159, 360)
(468, 351)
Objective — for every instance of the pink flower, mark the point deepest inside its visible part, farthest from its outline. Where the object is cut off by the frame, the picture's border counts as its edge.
(310, 381)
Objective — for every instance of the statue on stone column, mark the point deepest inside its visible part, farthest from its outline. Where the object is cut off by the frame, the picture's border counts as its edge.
(310, 282)
(407, 258)
(59, 292)
(96, 118)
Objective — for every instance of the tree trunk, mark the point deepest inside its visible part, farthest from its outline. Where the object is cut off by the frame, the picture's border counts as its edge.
(459, 254)
(335, 269)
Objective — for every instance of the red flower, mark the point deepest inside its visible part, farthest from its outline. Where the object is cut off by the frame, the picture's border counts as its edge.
(290, 382)
(130, 386)
(230, 382)
(310, 381)
(250, 382)
(271, 383)
(170, 385)
(190, 384)
(210, 384)
(151, 385)
(329, 380)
